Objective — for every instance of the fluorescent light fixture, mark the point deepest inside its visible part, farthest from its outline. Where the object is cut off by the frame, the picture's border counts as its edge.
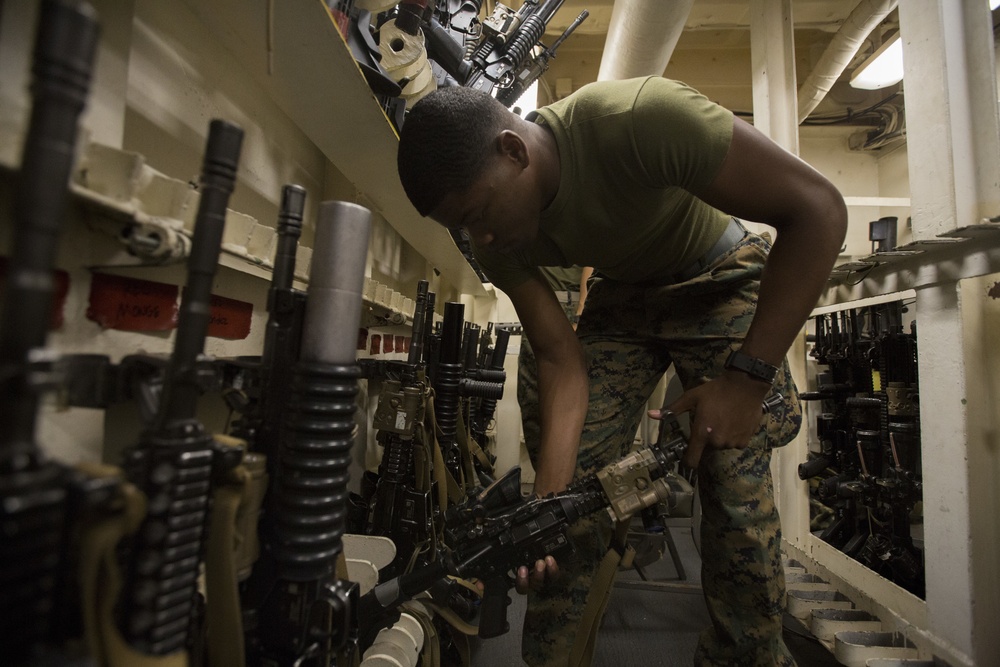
(994, 4)
(883, 68)
(528, 101)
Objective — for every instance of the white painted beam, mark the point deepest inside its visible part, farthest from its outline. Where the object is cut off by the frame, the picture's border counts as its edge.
(772, 53)
(951, 112)
(641, 37)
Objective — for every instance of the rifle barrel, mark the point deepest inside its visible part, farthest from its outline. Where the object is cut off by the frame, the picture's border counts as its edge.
(65, 46)
(34, 493)
(218, 177)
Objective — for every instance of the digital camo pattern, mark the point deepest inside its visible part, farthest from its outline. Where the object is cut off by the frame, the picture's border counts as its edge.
(631, 334)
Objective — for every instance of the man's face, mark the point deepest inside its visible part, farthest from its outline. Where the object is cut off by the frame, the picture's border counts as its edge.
(499, 211)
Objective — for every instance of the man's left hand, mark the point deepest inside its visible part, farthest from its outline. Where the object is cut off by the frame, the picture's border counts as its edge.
(725, 413)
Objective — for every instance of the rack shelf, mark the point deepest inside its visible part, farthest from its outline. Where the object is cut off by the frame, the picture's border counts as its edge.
(294, 51)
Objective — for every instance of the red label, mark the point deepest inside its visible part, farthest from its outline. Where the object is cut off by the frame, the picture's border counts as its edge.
(376, 343)
(341, 20)
(230, 318)
(362, 338)
(129, 304)
(402, 344)
(60, 288)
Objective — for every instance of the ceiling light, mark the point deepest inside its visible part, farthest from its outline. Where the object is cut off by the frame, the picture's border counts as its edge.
(528, 101)
(994, 4)
(883, 68)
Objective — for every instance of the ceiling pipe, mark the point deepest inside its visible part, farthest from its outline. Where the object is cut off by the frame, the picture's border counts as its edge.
(865, 17)
(641, 37)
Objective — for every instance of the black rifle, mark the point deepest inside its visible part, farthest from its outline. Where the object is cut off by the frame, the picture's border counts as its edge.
(308, 616)
(865, 478)
(270, 380)
(39, 497)
(449, 387)
(496, 531)
(501, 59)
(399, 508)
(176, 458)
(494, 372)
(265, 386)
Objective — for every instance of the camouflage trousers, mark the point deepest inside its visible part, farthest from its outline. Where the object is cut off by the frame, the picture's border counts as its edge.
(631, 335)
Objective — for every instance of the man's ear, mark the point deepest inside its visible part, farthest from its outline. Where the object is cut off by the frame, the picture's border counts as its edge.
(511, 145)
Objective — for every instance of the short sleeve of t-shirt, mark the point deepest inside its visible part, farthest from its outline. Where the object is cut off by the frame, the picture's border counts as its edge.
(700, 132)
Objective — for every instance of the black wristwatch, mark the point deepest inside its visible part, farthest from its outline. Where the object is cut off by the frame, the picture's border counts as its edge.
(756, 368)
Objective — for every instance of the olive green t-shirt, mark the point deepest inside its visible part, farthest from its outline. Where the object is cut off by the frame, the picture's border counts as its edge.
(630, 152)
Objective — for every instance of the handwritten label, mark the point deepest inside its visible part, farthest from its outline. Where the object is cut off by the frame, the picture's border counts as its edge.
(60, 289)
(130, 304)
(229, 318)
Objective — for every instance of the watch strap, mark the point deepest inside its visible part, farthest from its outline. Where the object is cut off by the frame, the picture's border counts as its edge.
(756, 368)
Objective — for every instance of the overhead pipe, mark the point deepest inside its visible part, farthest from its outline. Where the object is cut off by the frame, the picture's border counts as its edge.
(641, 37)
(846, 43)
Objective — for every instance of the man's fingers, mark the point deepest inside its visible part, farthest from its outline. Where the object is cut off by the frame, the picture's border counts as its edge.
(521, 580)
(551, 568)
(696, 445)
(537, 575)
(533, 578)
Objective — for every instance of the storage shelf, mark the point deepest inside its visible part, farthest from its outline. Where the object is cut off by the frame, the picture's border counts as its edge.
(310, 74)
(965, 252)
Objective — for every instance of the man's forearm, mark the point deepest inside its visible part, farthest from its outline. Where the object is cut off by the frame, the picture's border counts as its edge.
(794, 277)
(563, 393)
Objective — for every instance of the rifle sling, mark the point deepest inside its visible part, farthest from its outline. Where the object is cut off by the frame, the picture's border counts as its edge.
(101, 579)
(470, 448)
(449, 490)
(430, 654)
(582, 653)
(223, 617)
(463, 441)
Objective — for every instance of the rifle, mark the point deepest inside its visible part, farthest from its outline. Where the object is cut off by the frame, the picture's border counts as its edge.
(285, 306)
(39, 498)
(498, 530)
(309, 615)
(865, 478)
(495, 55)
(494, 371)
(263, 390)
(400, 508)
(176, 459)
(450, 385)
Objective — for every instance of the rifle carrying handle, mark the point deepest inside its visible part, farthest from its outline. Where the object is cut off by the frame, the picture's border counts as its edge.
(493, 609)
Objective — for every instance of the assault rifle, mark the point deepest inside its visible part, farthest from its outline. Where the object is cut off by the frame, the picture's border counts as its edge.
(269, 380)
(491, 368)
(307, 615)
(865, 478)
(40, 499)
(496, 531)
(451, 384)
(176, 460)
(264, 385)
(400, 507)
(497, 55)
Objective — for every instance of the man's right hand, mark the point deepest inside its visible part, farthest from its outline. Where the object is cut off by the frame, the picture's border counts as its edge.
(542, 571)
